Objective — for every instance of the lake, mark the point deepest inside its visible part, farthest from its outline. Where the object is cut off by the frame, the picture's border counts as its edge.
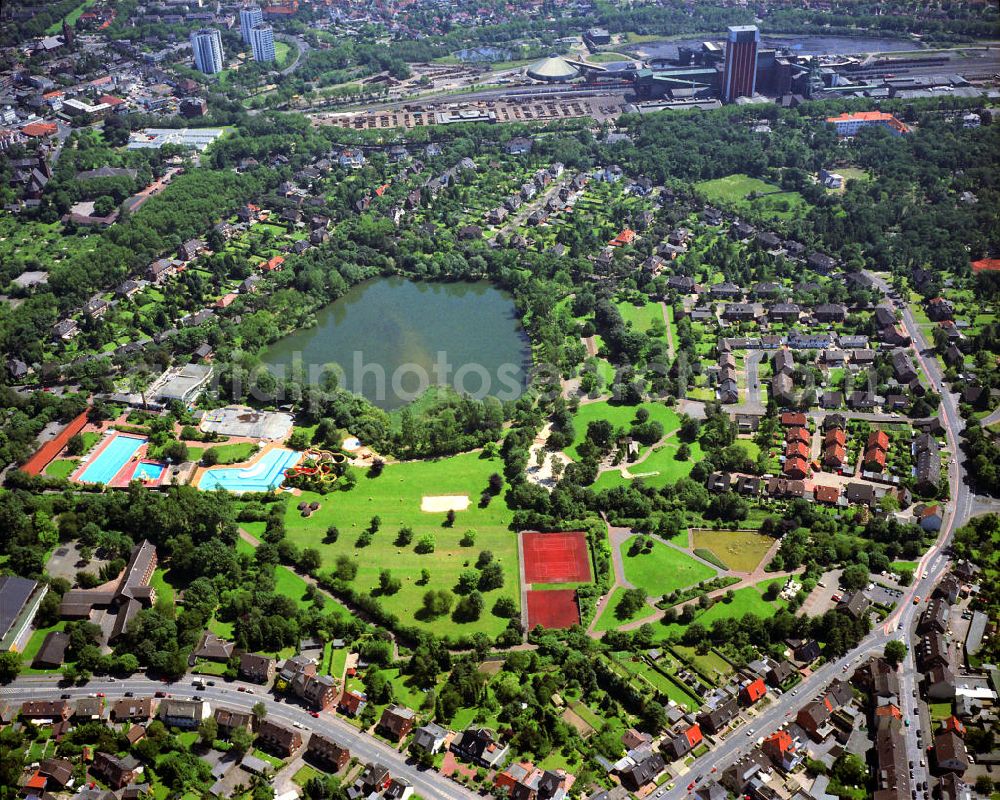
(803, 45)
(392, 338)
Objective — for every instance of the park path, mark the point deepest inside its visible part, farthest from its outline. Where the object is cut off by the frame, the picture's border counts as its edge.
(591, 344)
(670, 332)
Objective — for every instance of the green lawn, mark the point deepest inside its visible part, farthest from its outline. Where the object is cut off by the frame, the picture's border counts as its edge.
(740, 551)
(234, 453)
(619, 417)
(164, 591)
(608, 621)
(768, 200)
(61, 467)
(663, 569)
(745, 601)
(643, 318)
(395, 497)
(711, 663)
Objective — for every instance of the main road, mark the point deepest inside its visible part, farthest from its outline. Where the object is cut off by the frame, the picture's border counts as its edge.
(427, 783)
(929, 571)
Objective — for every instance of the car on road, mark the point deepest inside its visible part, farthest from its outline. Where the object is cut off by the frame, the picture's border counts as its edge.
(65, 696)
(916, 600)
(130, 694)
(160, 694)
(314, 714)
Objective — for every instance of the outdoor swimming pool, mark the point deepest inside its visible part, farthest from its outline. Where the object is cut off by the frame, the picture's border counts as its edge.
(112, 457)
(147, 471)
(266, 474)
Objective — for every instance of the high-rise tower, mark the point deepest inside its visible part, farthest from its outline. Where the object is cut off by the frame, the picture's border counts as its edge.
(740, 69)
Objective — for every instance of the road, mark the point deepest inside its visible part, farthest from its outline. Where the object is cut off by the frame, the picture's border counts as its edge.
(427, 783)
(961, 506)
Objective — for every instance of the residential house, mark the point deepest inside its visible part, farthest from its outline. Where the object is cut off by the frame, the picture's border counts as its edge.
(684, 742)
(783, 751)
(396, 722)
(928, 467)
(643, 769)
(518, 146)
(928, 517)
(187, 714)
(257, 668)
(429, 738)
(821, 263)
(717, 718)
(828, 495)
(739, 312)
(784, 312)
(830, 312)
(213, 648)
(854, 604)
(902, 367)
(752, 691)
(781, 673)
(114, 771)
(46, 710)
(132, 709)
(480, 746)
(229, 720)
(949, 753)
(726, 291)
(190, 249)
(278, 738)
(352, 703)
(939, 309)
(327, 752)
(89, 709)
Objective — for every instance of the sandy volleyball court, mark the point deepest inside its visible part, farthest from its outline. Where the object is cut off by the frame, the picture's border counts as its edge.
(444, 502)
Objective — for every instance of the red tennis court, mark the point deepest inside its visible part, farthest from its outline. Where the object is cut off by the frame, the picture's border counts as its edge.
(555, 557)
(553, 608)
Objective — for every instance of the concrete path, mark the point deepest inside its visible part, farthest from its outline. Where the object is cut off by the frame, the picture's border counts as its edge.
(670, 333)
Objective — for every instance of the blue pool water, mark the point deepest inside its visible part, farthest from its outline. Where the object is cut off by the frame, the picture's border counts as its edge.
(264, 475)
(115, 455)
(147, 472)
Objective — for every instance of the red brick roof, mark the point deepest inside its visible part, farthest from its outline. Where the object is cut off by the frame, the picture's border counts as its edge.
(40, 129)
(878, 439)
(986, 265)
(755, 690)
(693, 735)
(826, 494)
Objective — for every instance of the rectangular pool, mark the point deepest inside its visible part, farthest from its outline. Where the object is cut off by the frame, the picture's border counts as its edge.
(109, 461)
(265, 474)
(148, 471)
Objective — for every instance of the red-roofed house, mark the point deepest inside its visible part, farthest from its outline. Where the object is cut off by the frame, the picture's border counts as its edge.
(833, 457)
(796, 468)
(848, 124)
(826, 494)
(986, 265)
(40, 130)
(793, 419)
(954, 724)
(627, 236)
(835, 436)
(694, 736)
(781, 749)
(878, 439)
(874, 459)
(797, 435)
(273, 263)
(352, 703)
(36, 782)
(752, 691)
(110, 99)
(797, 449)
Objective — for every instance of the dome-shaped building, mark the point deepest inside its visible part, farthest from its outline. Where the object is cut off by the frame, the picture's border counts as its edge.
(554, 69)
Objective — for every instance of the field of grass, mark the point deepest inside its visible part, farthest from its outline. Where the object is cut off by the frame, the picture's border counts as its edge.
(395, 497)
(234, 453)
(164, 591)
(745, 601)
(608, 621)
(619, 417)
(281, 53)
(71, 18)
(607, 58)
(643, 318)
(663, 569)
(61, 467)
(741, 551)
(769, 200)
(711, 663)
(661, 683)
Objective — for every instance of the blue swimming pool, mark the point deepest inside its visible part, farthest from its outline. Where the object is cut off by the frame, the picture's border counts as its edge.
(266, 474)
(113, 456)
(148, 471)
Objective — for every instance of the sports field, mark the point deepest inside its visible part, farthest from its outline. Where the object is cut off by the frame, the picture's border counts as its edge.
(555, 557)
(740, 551)
(663, 569)
(395, 497)
(555, 608)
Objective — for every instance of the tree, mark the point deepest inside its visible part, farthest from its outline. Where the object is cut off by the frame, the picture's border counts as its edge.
(491, 577)
(208, 731)
(310, 560)
(449, 518)
(468, 538)
(74, 446)
(895, 652)
(242, 740)
(387, 583)
(630, 604)
(375, 523)
(346, 569)
(854, 577)
(259, 711)
(405, 536)
(331, 535)
(426, 544)
(505, 607)
(10, 665)
(849, 770)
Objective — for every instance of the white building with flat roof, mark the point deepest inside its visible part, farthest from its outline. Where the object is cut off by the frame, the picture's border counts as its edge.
(207, 47)
(249, 16)
(262, 42)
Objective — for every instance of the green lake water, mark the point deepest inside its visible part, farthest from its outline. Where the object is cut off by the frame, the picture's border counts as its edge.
(392, 338)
